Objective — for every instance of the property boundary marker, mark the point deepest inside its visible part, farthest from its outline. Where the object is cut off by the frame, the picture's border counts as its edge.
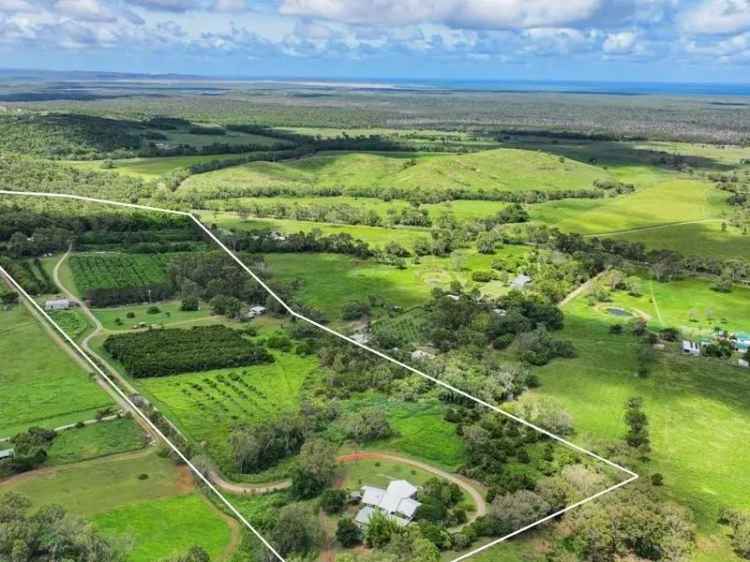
(632, 476)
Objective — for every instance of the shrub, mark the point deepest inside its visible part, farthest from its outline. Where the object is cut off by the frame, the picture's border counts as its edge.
(483, 276)
(333, 501)
(347, 533)
(190, 304)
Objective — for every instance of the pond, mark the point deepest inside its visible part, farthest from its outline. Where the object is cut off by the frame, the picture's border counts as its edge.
(619, 312)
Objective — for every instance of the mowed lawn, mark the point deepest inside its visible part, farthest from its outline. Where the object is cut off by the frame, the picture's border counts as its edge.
(141, 496)
(168, 313)
(208, 405)
(699, 412)
(503, 169)
(41, 384)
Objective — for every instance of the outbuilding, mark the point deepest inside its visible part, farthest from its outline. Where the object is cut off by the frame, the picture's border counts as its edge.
(59, 304)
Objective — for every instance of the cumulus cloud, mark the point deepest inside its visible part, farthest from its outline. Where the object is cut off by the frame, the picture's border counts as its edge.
(717, 17)
(472, 14)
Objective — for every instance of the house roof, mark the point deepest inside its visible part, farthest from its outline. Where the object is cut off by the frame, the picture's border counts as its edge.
(54, 302)
(401, 488)
(372, 495)
(364, 515)
(408, 507)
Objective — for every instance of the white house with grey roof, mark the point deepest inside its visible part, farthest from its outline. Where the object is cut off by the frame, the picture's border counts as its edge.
(396, 502)
(59, 304)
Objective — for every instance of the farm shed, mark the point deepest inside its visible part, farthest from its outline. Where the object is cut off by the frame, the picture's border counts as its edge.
(6, 454)
(58, 304)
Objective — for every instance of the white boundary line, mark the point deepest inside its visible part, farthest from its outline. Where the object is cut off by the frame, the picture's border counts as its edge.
(632, 476)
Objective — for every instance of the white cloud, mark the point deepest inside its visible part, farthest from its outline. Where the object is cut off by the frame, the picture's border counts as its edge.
(13, 6)
(622, 43)
(84, 10)
(230, 6)
(476, 14)
(716, 17)
(174, 6)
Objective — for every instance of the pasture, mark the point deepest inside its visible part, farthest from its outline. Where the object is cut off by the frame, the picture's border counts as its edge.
(688, 304)
(673, 201)
(699, 412)
(206, 406)
(42, 385)
(139, 495)
(150, 168)
(96, 440)
(500, 169)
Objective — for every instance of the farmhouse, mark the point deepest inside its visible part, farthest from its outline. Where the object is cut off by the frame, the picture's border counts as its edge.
(59, 304)
(254, 311)
(396, 502)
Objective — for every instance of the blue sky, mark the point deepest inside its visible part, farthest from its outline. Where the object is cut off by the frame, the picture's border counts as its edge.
(621, 40)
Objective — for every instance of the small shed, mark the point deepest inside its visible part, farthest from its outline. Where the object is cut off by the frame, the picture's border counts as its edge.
(520, 282)
(6, 454)
(58, 304)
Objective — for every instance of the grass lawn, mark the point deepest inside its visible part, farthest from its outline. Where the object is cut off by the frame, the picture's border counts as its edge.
(255, 394)
(168, 527)
(97, 440)
(699, 411)
(74, 322)
(41, 384)
(421, 430)
(162, 513)
(169, 313)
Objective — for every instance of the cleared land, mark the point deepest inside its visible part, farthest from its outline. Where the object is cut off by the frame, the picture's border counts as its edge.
(140, 495)
(96, 440)
(699, 412)
(206, 406)
(42, 385)
(501, 169)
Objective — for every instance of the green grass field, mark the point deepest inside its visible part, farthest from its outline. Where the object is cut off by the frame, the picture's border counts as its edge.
(169, 313)
(688, 304)
(168, 527)
(699, 410)
(503, 169)
(704, 238)
(421, 431)
(150, 168)
(665, 202)
(97, 440)
(41, 383)
(207, 413)
(161, 512)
